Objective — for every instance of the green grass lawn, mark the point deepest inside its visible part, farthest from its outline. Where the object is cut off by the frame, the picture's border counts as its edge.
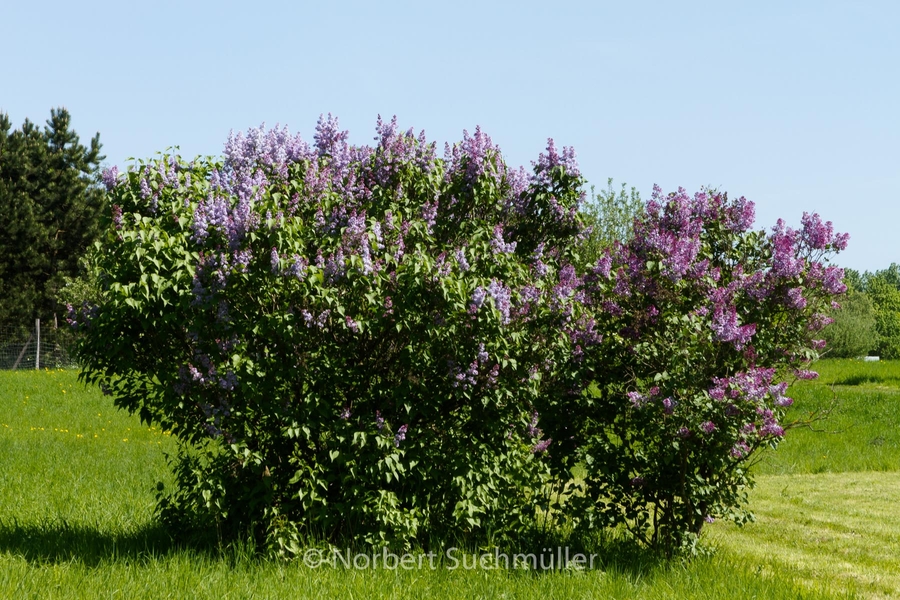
(78, 486)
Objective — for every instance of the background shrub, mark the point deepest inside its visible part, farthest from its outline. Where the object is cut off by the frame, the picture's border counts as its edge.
(854, 331)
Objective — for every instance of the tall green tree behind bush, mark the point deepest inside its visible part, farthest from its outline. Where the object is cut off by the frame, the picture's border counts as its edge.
(853, 332)
(885, 297)
(50, 201)
(609, 215)
(882, 291)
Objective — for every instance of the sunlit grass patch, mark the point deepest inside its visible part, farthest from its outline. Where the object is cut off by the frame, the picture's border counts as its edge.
(843, 527)
(860, 430)
(857, 372)
(65, 456)
(76, 519)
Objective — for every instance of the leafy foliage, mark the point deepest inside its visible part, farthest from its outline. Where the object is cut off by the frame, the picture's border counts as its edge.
(883, 289)
(885, 297)
(702, 319)
(350, 339)
(378, 345)
(609, 216)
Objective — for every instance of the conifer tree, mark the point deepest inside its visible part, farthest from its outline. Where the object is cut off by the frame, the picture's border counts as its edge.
(50, 201)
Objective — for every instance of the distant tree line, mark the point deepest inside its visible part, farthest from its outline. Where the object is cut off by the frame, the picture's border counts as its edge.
(50, 200)
(868, 319)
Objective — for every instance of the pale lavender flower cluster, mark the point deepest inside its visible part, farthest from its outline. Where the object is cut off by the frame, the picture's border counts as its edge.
(552, 159)
(461, 260)
(475, 154)
(541, 446)
(429, 214)
(400, 435)
(335, 267)
(819, 321)
(482, 354)
(796, 299)
(168, 172)
(318, 322)
(274, 148)
(740, 449)
(532, 429)
(330, 140)
(203, 373)
(566, 289)
(146, 192)
(833, 280)
(117, 216)
(463, 379)
(242, 259)
(668, 405)
(518, 181)
(674, 231)
(298, 267)
(396, 149)
(740, 215)
(785, 263)
(356, 240)
(540, 268)
(637, 399)
(110, 177)
(726, 328)
(81, 317)
(275, 261)
(499, 245)
(820, 236)
(217, 214)
(753, 388)
(478, 298)
(211, 275)
(501, 297)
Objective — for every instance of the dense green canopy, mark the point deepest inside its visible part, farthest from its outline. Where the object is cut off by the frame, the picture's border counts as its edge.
(50, 200)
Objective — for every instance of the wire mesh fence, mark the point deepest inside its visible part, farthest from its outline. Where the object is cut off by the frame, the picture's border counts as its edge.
(34, 346)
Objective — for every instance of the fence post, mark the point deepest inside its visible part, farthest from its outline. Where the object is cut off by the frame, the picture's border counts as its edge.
(37, 350)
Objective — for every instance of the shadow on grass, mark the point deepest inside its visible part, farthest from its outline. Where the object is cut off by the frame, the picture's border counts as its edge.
(613, 552)
(861, 380)
(56, 541)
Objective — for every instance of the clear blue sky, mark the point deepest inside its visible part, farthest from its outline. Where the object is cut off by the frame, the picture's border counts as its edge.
(793, 104)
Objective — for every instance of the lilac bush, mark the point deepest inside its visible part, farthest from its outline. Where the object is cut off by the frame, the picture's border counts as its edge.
(376, 344)
(349, 341)
(704, 322)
